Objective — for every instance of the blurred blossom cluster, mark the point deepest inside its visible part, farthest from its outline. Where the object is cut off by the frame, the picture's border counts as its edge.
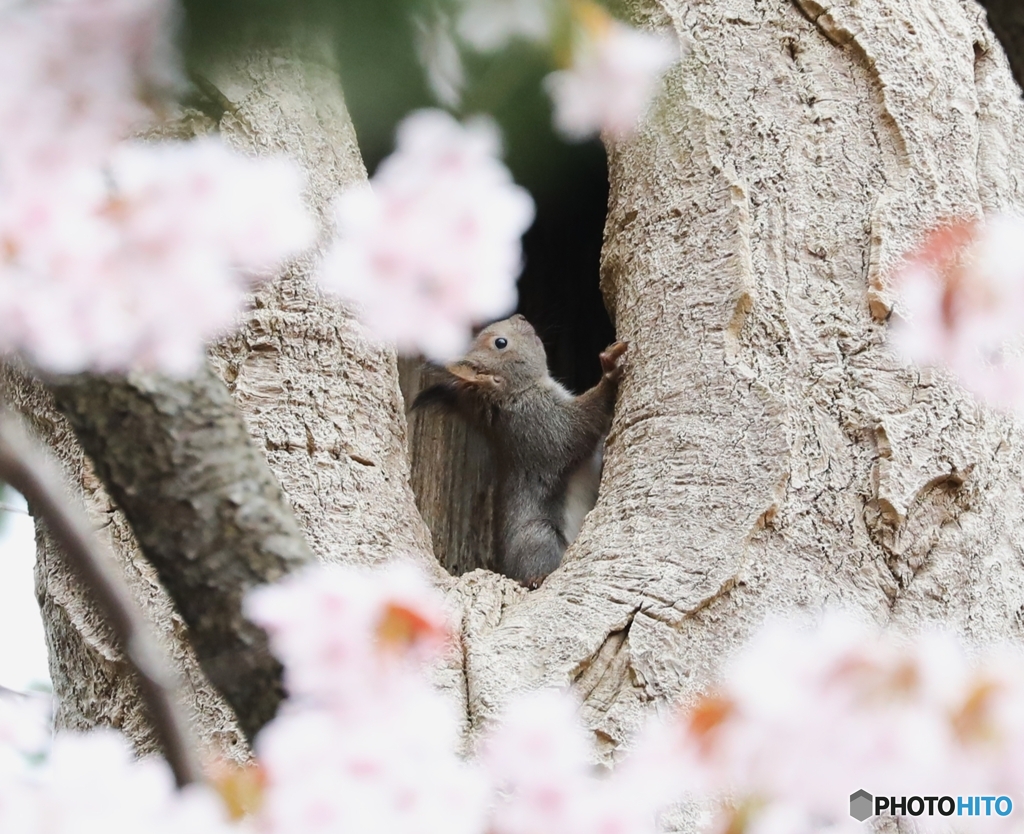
(89, 782)
(432, 246)
(364, 744)
(116, 253)
(539, 763)
(367, 745)
(613, 77)
(962, 306)
(802, 717)
(806, 716)
(609, 75)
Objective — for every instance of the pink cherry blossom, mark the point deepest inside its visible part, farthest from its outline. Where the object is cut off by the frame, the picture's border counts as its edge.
(961, 307)
(804, 716)
(346, 634)
(433, 245)
(116, 254)
(613, 78)
(391, 766)
(541, 763)
(93, 783)
(365, 743)
(77, 76)
(140, 264)
(800, 717)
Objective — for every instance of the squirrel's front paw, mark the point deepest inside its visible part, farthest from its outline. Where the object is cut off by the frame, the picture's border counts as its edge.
(610, 359)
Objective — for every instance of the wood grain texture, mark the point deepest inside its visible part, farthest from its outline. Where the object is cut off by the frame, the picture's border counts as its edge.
(453, 478)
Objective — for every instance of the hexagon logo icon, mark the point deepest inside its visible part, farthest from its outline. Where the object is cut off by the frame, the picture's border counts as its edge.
(861, 805)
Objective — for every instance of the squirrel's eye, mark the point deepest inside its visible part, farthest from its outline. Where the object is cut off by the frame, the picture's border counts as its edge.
(501, 343)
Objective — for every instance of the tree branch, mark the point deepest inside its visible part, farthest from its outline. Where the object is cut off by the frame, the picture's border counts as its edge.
(28, 472)
(205, 508)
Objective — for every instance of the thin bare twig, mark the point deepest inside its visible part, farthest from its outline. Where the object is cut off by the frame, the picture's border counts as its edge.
(24, 468)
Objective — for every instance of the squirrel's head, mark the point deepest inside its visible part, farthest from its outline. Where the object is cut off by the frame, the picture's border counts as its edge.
(507, 355)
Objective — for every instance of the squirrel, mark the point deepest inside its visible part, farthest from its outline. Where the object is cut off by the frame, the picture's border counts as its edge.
(547, 443)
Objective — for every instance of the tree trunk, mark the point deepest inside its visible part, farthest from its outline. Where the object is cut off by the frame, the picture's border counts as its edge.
(768, 455)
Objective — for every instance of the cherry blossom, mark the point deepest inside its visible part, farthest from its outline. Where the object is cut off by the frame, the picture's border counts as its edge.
(117, 254)
(800, 717)
(804, 716)
(78, 77)
(345, 635)
(433, 245)
(92, 782)
(378, 770)
(961, 306)
(365, 744)
(539, 758)
(489, 25)
(140, 264)
(614, 75)
(541, 763)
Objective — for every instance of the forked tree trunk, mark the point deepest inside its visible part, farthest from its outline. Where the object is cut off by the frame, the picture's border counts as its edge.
(768, 455)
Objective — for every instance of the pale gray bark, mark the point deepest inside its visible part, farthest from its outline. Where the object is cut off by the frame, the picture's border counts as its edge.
(25, 468)
(316, 392)
(92, 681)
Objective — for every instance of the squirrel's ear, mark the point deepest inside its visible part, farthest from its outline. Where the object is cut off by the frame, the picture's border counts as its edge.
(466, 374)
(462, 371)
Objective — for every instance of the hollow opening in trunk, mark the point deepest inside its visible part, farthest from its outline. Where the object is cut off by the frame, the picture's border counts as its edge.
(452, 473)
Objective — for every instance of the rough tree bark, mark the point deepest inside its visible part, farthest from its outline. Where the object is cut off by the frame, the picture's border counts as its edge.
(768, 454)
(212, 525)
(1006, 17)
